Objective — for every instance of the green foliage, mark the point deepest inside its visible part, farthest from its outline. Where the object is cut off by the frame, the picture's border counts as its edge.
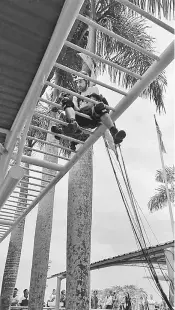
(121, 291)
(159, 199)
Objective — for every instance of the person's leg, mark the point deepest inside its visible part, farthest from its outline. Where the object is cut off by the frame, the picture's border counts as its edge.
(70, 113)
(107, 121)
(68, 107)
(118, 135)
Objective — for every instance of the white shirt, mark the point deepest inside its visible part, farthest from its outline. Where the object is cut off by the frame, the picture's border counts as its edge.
(151, 304)
(15, 301)
(108, 301)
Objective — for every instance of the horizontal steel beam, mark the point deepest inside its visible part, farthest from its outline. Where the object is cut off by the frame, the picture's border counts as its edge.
(41, 163)
(46, 153)
(57, 65)
(56, 134)
(40, 171)
(59, 106)
(52, 144)
(3, 130)
(59, 121)
(73, 93)
(117, 37)
(103, 60)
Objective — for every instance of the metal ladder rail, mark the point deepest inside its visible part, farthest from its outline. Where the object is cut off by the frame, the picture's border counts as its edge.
(157, 67)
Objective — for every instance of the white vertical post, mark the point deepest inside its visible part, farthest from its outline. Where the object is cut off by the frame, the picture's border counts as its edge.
(58, 290)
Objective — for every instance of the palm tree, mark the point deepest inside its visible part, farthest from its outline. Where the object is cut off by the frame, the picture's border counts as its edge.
(43, 232)
(159, 199)
(16, 239)
(115, 17)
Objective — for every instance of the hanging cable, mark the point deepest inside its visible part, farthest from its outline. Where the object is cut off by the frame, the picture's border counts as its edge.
(143, 248)
(136, 204)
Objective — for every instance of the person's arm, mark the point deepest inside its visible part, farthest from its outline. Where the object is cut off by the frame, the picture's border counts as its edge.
(75, 102)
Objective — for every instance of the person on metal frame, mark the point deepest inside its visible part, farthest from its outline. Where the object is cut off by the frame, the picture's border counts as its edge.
(98, 113)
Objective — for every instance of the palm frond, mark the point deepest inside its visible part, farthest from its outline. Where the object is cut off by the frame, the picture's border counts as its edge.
(159, 8)
(135, 30)
(159, 200)
(170, 174)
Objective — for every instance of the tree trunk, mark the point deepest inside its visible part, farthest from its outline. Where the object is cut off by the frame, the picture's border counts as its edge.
(14, 253)
(79, 234)
(79, 219)
(42, 237)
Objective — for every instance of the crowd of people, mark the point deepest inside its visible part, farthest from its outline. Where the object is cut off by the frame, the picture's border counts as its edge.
(114, 301)
(24, 299)
(111, 300)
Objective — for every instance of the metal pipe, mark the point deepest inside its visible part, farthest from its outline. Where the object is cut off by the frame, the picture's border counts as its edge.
(23, 198)
(58, 290)
(103, 60)
(12, 209)
(56, 134)
(7, 217)
(25, 194)
(14, 175)
(34, 184)
(22, 141)
(9, 211)
(116, 36)
(61, 108)
(64, 25)
(3, 130)
(165, 59)
(46, 153)
(35, 178)
(34, 170)
(147, 15)
(57, 65)
(29, 189)
(52, 144)
(17, 202)
(58, 121)
(76, 94)
(41, 163)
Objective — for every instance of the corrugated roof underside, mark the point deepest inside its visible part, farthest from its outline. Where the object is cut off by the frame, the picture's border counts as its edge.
(25, 31)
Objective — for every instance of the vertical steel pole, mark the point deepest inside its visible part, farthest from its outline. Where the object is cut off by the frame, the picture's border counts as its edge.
(58, 290)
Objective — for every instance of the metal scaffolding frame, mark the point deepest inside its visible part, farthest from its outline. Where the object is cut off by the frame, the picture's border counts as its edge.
(13, 211)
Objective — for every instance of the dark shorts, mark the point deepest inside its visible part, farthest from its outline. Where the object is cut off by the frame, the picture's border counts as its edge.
(85, 122)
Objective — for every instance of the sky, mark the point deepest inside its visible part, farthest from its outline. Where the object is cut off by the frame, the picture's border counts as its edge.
(111, 230)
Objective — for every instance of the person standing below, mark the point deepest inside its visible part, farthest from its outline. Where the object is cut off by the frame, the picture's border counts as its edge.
(116, 303)
(25, 299)
(94, 300)
(108, 301)
(141, 303)
(127, 302)
(15, 298)
(151, 303)
(52, 299)
(63, 299)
